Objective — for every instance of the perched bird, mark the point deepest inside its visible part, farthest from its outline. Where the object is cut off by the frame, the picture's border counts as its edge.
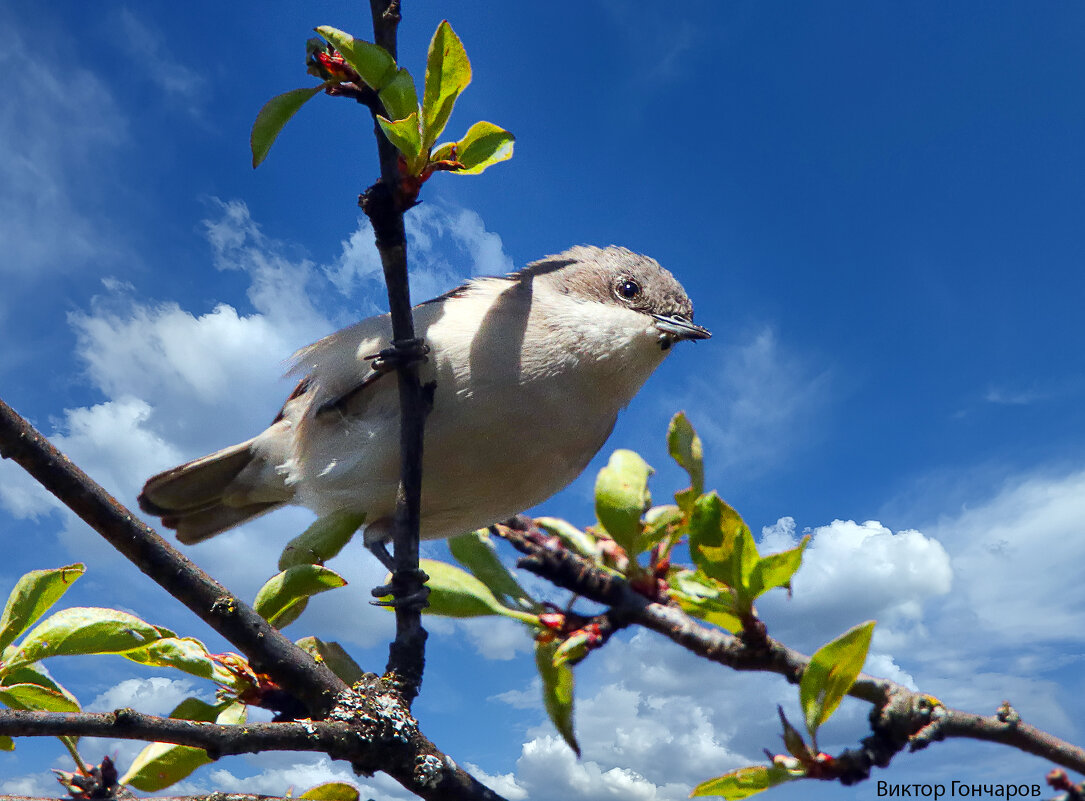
(529, 373)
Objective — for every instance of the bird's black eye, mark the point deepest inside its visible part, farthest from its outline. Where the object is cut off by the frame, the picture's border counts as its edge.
(628, 288)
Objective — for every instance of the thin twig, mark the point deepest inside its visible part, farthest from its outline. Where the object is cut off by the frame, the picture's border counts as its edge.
(384, 205)
(267, 650)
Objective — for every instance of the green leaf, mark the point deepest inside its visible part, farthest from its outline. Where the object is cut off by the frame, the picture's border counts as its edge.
(35, 674)
(332, 791)
(448, 72)
(776, 569)
(832, 670)
(621, 498)
(744, 782)
(658, 521)
(557, 687)
(32, 596)
(706, 599)
(484, 145)
(161, 764)
(83, 630)
(399, 97)
(6, 743)
(273, 116)
(456, 593)
(574, 538)
(284, 596)
(373, 63)
(477, 553)
(332, 655)
(323, 540)
(407, 139)
(721, 544)
(685, 448)
(572, 649)
(183, 653)
(36, 697)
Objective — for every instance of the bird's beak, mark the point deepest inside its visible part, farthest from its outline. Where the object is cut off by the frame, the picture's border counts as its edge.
(675, 329)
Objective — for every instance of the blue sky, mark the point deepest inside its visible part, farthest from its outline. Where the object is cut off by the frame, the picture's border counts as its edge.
(875, 207)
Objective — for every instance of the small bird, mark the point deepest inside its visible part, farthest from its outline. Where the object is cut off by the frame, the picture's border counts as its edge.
(528, 372)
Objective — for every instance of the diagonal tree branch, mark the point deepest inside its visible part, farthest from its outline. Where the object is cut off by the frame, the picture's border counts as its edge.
(266, 648)
(901, 718)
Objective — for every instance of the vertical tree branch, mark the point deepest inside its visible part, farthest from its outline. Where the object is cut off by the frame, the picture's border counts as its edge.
(384, 205)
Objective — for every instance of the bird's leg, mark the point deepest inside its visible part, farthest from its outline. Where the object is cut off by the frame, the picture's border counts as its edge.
(379, 548)
(403, 351)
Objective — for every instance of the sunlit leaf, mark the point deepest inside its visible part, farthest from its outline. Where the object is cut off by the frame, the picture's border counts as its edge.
(6, 743)
(621, 498)
(372, 62)
(404, 134)
(36, 697)
(283, 597)
(32, 596)
(744, 782)
(557, 687)
(332, 654)
(705, 598)
(183, 653)
(476, 552)
(83, 630)
(448, 72)
(721, 544)
(399, 97)
(323, 540)
(832, 670)
(685, 448)
(332, 791)
(484, 145)
(273, 116)
(658, 522)
(580, 541)
(776, 569)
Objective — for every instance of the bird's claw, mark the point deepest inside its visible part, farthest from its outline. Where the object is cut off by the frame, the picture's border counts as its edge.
(417, 598)
(403, 351)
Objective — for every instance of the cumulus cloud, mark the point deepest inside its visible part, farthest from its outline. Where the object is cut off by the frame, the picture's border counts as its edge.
(157, 695)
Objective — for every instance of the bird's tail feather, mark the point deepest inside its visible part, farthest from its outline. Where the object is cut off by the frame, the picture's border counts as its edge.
(214, 493)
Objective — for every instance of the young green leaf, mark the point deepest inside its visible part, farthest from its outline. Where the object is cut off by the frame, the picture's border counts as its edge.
(35, 674)
(832, 670)
(332, 654)
(6, 743)
(572, 649)
(373, 63)
(721, 544)
(161, 764)
(557, 687)
(183, 653)
(83, 630)
(484, 145)
(621, 497)
(456, 593)
(706, 599)
(685, 448)
(476, 552)
(744, 782)
(36, 697)
(323, 540)
(579, 541)
(776, 569)
(332, 791)
(658, 521)
(273, 116)
(284, 596)
(399, 97)
(404, 134)
(32, 596)
(448, 72)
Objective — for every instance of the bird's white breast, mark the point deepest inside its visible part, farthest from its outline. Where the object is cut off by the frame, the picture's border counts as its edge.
(528, 383)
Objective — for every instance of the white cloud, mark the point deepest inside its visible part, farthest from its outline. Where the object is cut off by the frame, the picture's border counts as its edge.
(181, 86)
(446, 245)
(37, 785)
(753, 407)
(153, 696)
(500, 638)
(287, 770)
(504, 784)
